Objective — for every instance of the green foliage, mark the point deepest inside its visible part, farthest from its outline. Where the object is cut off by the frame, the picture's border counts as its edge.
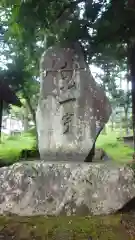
(11, 147)
(104, 26)
(32, 21)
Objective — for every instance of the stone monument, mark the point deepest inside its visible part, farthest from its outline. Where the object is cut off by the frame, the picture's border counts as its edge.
(72, 108)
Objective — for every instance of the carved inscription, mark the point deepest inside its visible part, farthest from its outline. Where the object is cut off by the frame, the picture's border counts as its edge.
(67, 100)
(67, 82)
(67, 119)
(67, 76)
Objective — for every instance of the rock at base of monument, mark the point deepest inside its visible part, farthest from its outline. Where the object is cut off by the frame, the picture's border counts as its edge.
(100, 155)
(55, 189)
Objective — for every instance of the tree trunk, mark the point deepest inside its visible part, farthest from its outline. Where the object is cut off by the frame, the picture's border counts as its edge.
(104, 131)
(126, 108)
(131, 64)
(26, 120)
(121, 115)
(1, 111)
(32, 111)
(126, 120)
(131, 60)
(112, 125)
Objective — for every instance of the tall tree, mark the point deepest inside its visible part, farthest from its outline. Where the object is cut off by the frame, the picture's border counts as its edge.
(104, 28)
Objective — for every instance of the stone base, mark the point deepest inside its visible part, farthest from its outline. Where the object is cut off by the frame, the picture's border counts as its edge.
(39, 188)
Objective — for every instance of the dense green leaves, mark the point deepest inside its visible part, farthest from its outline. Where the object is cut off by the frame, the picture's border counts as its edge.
(103, 27)
(95, 23)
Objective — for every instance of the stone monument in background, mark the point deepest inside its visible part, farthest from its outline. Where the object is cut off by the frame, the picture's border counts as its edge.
(72, 108)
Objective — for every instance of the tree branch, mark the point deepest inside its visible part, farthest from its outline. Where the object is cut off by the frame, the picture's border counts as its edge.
(67, 6)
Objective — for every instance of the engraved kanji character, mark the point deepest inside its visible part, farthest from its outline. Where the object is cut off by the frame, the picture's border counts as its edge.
(67, 118)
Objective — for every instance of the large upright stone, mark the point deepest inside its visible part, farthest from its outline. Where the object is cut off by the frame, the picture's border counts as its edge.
(72, 107)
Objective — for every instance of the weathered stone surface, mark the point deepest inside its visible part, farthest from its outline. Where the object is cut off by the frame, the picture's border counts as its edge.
(39, 188)
(72, 108)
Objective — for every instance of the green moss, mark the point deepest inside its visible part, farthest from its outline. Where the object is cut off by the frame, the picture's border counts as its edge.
(63, 228)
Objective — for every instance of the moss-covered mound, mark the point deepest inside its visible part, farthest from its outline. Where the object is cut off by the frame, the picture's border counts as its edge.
(117, 227)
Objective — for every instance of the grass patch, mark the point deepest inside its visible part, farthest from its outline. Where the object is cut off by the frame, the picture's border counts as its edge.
(63, 228)
(11, 147)
(114, 148)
